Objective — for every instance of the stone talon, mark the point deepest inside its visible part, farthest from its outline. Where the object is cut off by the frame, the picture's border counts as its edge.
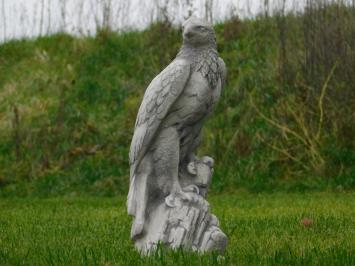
(184, 196)
(169, 201)
(176, 194)
(192, 188)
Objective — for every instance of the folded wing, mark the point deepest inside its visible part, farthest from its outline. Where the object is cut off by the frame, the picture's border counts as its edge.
(160, 95)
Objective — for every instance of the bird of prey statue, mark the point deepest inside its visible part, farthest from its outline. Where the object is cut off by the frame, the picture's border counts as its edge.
(169, 122)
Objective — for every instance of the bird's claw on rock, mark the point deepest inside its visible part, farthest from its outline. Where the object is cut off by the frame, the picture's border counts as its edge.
(192, 188)
(169, 201)
(175, 198)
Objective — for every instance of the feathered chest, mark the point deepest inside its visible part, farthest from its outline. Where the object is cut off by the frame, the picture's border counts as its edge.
(206, 63)
(197, 99)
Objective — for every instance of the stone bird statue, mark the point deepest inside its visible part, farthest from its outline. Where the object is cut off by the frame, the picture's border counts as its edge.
(169, 122)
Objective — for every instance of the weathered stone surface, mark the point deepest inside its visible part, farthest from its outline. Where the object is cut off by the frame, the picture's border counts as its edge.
(187, 224)
(168, 183)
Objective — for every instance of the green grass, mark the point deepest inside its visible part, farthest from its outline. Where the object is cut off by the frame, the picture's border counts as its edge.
(263, 229)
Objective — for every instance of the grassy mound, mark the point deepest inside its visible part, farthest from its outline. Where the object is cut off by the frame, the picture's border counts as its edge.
(285, 119)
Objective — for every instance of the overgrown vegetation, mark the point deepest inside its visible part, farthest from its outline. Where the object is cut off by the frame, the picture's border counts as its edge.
(268, 229)
(285, 119)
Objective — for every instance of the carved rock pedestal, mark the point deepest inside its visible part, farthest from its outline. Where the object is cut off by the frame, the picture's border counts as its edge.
(187, 224)
(190, 226)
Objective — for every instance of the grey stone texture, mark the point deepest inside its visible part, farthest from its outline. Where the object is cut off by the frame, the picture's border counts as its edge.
(168, 183)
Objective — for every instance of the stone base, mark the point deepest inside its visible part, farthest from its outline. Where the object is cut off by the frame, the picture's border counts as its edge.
(188, 225)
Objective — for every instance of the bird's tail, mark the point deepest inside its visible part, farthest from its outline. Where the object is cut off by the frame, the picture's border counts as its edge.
(131, 203)
(137, 203)
(131, 198)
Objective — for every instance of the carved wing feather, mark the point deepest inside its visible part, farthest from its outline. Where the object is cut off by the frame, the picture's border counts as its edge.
(223, 70)
(158, 98)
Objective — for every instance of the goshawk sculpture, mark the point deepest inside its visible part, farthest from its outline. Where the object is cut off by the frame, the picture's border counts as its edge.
(169, 122)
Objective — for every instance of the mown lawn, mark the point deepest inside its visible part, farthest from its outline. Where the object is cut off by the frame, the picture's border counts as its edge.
(264, 229)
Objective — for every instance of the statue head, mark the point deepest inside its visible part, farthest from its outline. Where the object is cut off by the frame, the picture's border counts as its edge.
(198, 33)
(201, 171)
